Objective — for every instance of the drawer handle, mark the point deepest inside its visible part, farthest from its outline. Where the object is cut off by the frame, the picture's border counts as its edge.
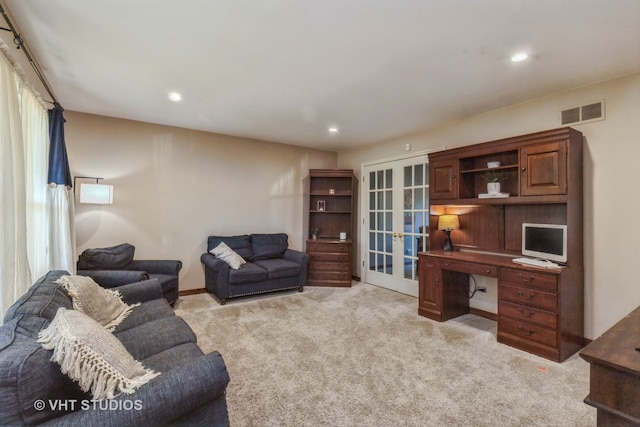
(488, 271)
(525, 279)
(526, 331)
(523, 296)
(526, 314)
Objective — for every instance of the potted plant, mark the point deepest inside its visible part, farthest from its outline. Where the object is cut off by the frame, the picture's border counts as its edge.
(314, 233)
(493, 179)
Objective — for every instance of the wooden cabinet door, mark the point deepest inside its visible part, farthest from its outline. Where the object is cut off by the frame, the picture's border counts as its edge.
(543, 169)
(443, 179)
(430, 288)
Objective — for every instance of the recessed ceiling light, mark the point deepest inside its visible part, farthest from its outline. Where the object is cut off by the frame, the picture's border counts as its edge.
(175, 96)
(519, 57)
(333, 129)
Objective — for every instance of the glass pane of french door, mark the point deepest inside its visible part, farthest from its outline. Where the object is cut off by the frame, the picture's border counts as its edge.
(416, 216)
(381, 221)
(395, 222)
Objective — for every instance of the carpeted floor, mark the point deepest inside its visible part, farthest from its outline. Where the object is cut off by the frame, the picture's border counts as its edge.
(362, 356)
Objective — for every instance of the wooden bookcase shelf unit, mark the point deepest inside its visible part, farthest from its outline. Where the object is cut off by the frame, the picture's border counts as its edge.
(329, 208)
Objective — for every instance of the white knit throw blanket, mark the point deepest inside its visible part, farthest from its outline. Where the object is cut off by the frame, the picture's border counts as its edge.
(92, 356)
(103, 305)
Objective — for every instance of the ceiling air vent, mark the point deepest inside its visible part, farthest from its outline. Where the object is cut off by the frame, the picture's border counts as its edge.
(586, 113)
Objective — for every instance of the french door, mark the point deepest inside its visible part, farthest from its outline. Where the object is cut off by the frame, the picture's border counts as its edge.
(395, 223)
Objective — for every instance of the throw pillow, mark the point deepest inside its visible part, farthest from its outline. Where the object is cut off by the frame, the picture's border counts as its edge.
(117, 257)
(105, 306)
(92, 356)
(225, 253)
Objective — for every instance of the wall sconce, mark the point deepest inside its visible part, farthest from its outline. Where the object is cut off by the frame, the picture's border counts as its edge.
(448, 223)
(99, 194)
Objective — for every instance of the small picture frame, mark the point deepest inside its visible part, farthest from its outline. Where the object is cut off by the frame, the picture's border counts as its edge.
(321, 205)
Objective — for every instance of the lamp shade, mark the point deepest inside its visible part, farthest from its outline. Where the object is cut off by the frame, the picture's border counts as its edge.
(448, 222)
(100, 194)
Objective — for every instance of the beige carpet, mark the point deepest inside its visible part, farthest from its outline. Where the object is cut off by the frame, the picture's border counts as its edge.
(361, 356)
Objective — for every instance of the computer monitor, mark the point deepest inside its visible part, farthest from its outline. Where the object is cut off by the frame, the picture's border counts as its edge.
(545, 241)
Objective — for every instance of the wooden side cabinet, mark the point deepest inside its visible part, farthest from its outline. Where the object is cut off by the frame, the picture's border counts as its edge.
(614, 362)
(430, 291)
(442, 291)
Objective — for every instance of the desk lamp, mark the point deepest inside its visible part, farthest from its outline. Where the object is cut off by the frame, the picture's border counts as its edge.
(448, 223)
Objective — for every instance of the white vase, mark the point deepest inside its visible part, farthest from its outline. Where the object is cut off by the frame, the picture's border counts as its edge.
(493, 187)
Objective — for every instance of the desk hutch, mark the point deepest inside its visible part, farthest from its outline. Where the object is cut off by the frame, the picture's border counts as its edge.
(539, 310)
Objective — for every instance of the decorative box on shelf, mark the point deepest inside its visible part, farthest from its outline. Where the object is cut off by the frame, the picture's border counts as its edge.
(492, 196)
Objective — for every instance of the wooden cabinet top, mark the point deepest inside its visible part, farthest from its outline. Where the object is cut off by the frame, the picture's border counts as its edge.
(510, 143)
(618, 346)
(331, 173)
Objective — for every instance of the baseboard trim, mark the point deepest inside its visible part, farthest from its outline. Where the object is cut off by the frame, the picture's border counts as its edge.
(482, 313)
(192, 292)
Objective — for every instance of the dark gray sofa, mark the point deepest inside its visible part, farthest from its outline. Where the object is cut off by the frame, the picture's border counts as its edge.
(189, 391)
(115, 265)
(271, 266)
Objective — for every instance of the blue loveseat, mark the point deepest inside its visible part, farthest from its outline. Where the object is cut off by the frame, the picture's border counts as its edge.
(189, 391)
(270, 266)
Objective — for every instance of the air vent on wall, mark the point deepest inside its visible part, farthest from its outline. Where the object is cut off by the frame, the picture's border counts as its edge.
(585, 113)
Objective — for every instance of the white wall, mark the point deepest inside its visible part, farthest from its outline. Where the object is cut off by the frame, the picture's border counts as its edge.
(611, 203)
(174, 187)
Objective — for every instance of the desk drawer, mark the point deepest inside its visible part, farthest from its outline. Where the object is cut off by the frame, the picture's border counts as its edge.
(343, 248)
(528, 331)
(531, 279)
(329, 257)
(528, 296)
(470, 268)
(528, 314)
(329, 266)
(329, 276)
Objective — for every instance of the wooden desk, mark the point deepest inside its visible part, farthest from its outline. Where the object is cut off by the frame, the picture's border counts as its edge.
(539, 310)
(615, 373)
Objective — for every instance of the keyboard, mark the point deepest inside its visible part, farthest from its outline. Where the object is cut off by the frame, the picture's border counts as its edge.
(536, 262)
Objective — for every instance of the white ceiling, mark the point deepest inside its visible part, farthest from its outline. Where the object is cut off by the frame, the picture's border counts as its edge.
(285, 70)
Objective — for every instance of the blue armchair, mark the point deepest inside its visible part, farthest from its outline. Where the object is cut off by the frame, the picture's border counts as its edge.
(115, 265)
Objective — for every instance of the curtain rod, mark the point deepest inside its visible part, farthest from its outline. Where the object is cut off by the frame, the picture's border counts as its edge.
(18, 40)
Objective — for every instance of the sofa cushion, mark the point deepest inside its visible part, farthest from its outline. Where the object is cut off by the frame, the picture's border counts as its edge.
(87, 352)
(240, 244)
(146, 312)
(279, 268)
(105, 306)
(228, 255)
(153, 337)
(41, 300)
(117, 257)
(27, 375)
(266, 246)
(172, 357)
(248, 273)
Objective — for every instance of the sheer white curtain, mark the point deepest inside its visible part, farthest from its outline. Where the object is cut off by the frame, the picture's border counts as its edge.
(36, 220)
(14, 268)
(35, 135)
